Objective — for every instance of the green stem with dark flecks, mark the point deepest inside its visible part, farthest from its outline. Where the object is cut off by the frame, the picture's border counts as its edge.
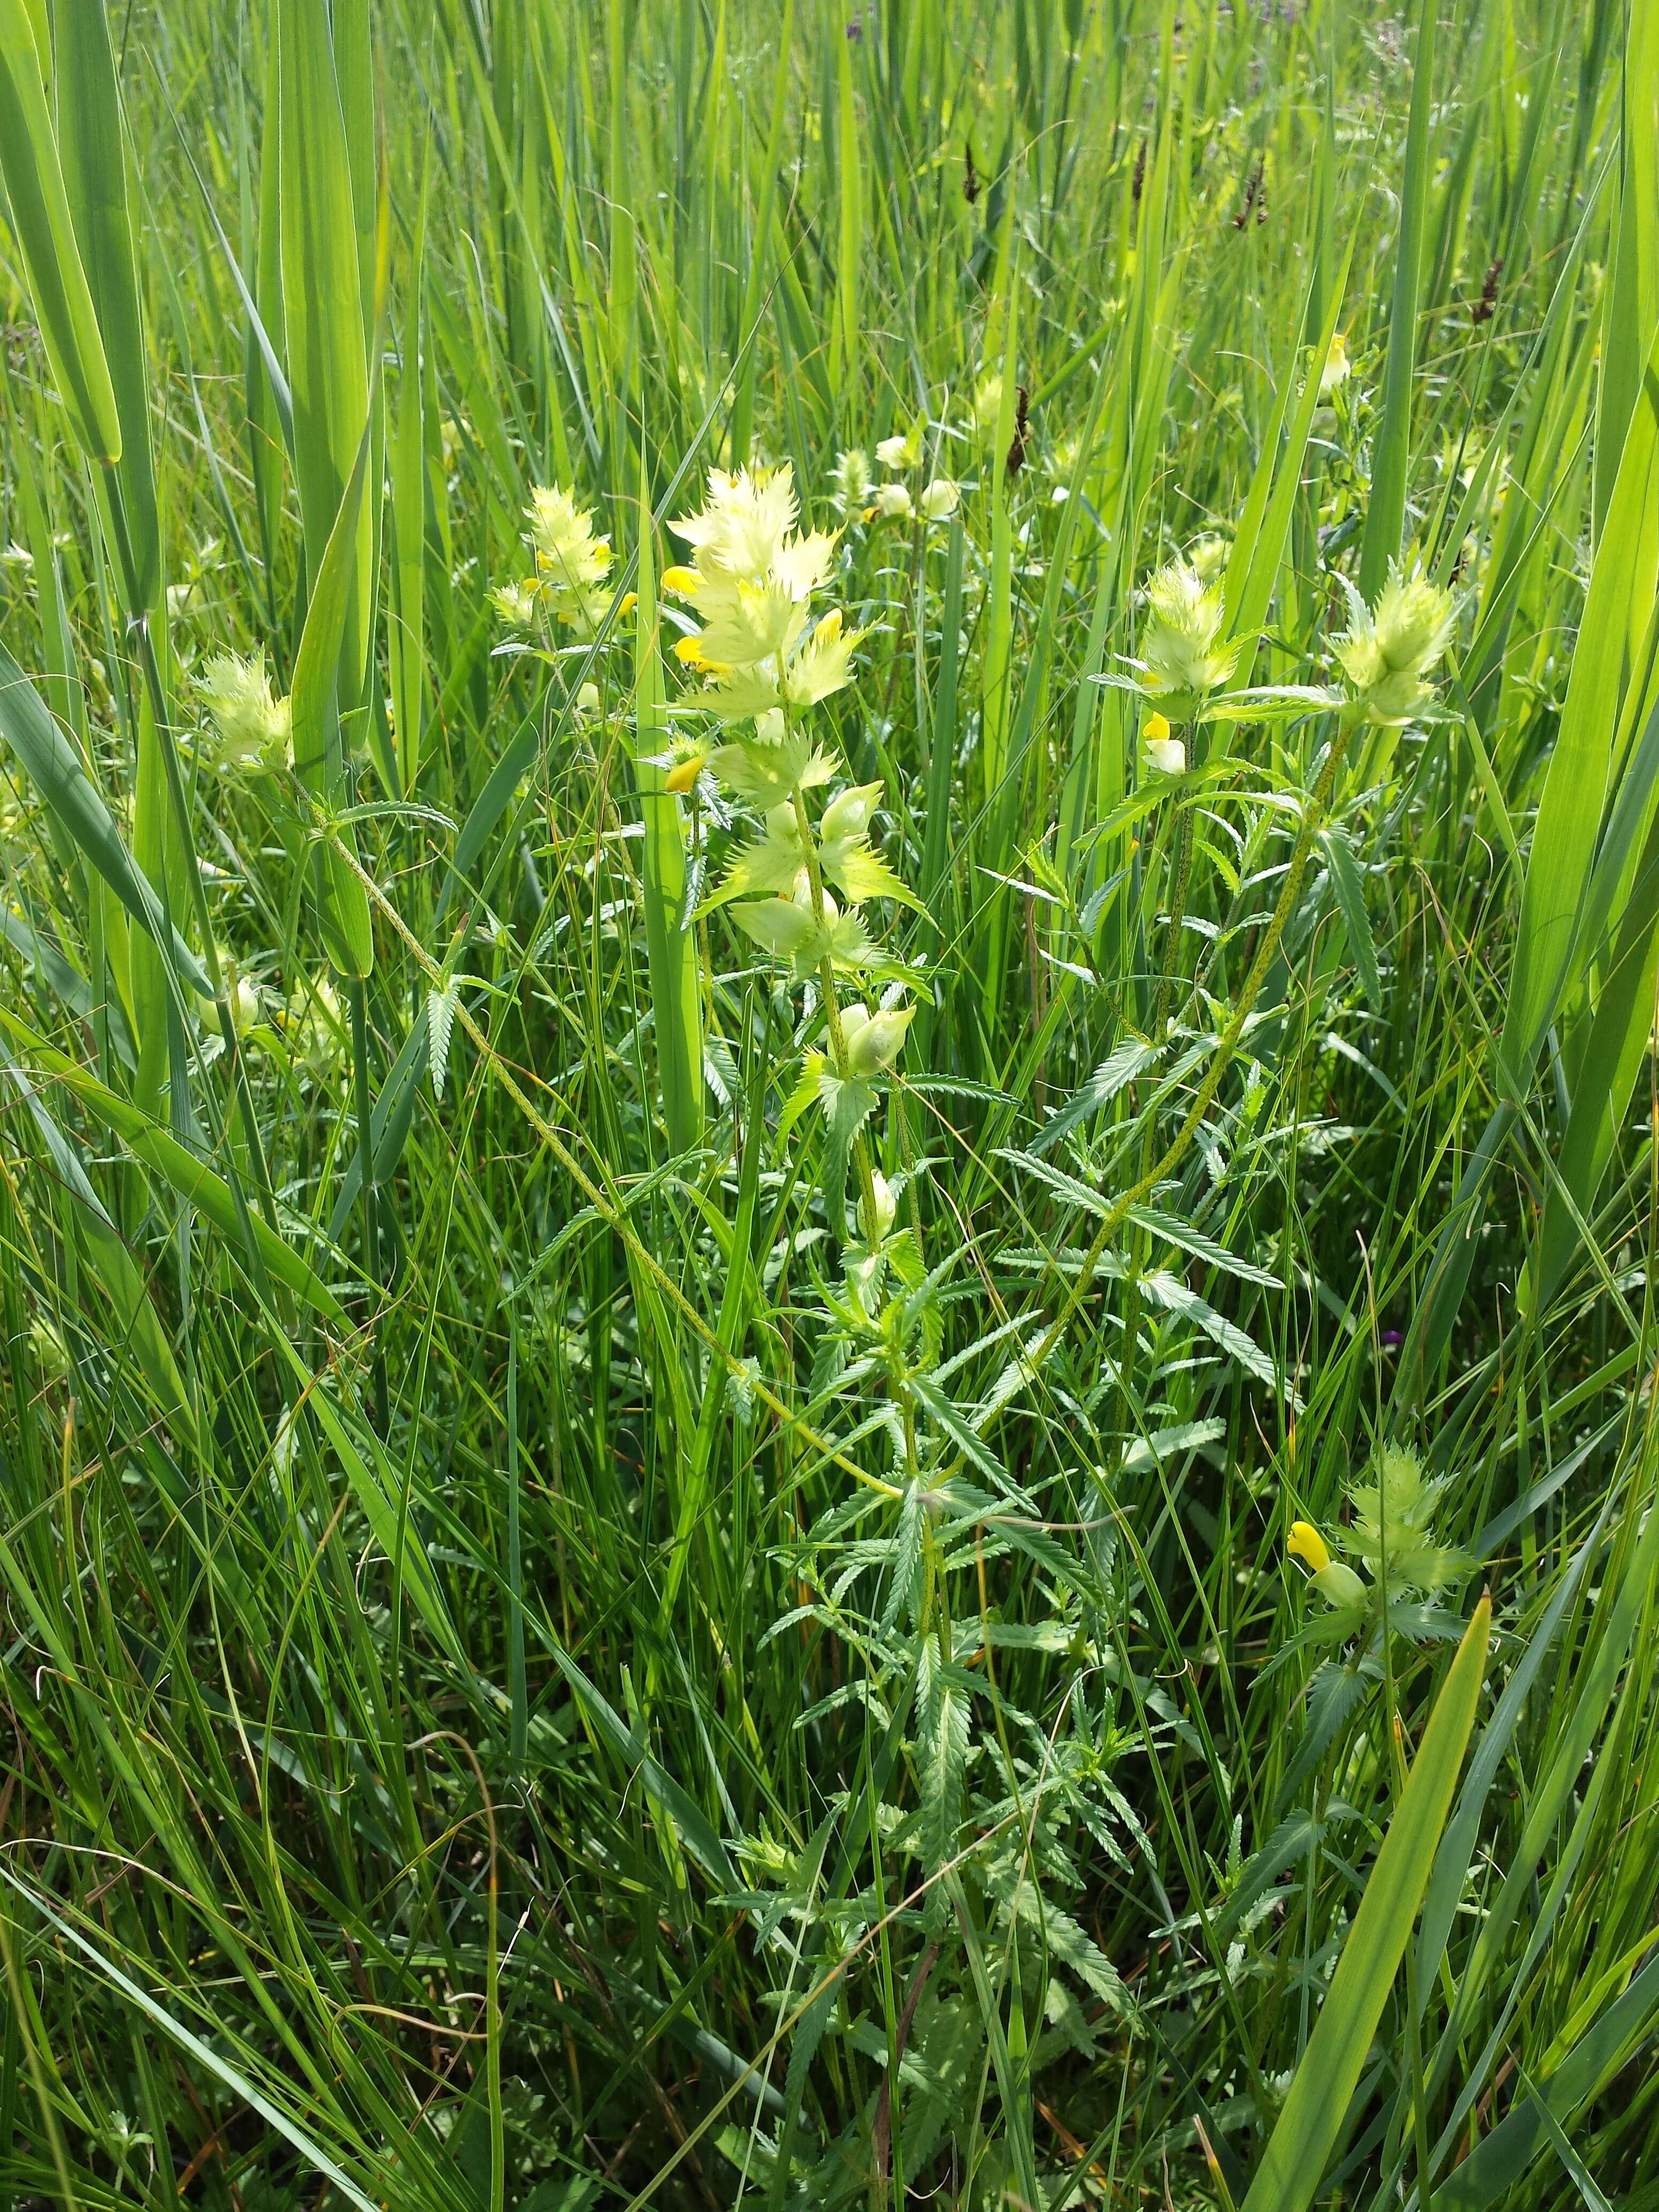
(1226, 1045)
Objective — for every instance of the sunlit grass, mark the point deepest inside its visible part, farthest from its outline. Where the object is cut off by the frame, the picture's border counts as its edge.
(828, 946)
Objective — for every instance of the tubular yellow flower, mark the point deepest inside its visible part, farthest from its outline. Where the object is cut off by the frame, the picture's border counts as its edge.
(1166, 756)
(681, 580)
(684, 775)
(1307, 1544)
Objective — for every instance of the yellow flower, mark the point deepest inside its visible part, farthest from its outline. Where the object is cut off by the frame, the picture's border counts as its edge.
(684, 774)
(825, 663)
(1166, 756)
(515, 603)
(1337, 1583)
(751, 580)
(1337, 368)
(1306, 1543)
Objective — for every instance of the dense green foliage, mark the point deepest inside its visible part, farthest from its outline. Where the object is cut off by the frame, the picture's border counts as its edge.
(625, 1581)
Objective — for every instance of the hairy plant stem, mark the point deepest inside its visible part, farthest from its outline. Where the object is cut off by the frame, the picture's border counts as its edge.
(832, 1012)
(1226, 1045)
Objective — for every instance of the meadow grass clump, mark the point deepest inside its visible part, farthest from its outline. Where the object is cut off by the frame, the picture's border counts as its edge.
(827, 1110)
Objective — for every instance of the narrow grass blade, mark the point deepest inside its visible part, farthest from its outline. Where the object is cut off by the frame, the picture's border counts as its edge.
(105, 1252)
(323, 308)
(92, 147)
(1631, 314)
(1498, 2160)
(342, 902)
(671, 943)
(1385, 521)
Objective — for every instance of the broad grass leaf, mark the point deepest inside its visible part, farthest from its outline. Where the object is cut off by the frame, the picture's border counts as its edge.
(44, 230)
(1310, 2121)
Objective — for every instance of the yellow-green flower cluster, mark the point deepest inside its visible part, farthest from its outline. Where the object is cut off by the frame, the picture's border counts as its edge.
(1392, 1536)
(751, 580)
(251, 728)
(797, 887)
(1183, 658)
(572, 565)
(1388, 651)
(901, 455)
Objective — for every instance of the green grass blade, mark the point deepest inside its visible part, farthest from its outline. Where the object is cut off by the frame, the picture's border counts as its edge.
(1604, 696)
(1385, 521)
(1308, 2129)
(92, 143)
(670, 942)
(45, 231)
(323, 308)
(193, 1179)
(1631, 315)
(55, 769)
(342, 902)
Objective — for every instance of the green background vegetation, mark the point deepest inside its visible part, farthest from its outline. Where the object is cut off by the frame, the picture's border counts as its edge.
(487, 1723)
